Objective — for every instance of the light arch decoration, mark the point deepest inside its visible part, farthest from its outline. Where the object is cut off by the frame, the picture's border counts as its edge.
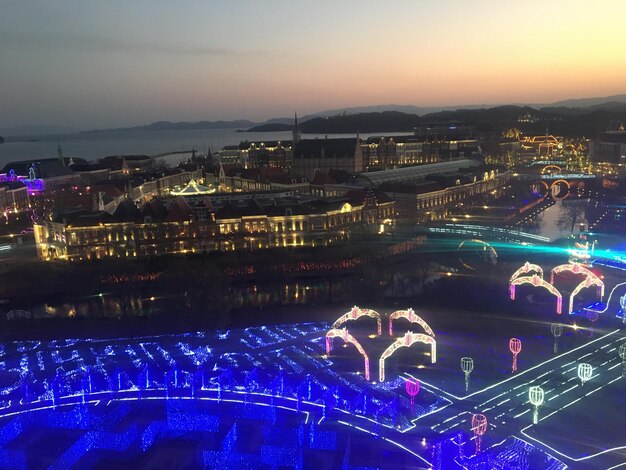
(576, 269)
(410, 315)
(485, 246)
(588, 282)
(525, 269)
(554, 184)
(537, 281)
(406, 341)
(347, 338)
(357, 313)
(546, 169)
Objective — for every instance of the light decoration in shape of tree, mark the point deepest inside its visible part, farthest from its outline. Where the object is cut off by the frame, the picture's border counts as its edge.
(467, 366)
(585, 371)
(536, 396)
(479, 428)
(515, 346)
(412, 387)
(622, 355)
(557, 330)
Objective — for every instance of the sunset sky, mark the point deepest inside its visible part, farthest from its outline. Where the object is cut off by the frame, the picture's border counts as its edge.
(110, 63)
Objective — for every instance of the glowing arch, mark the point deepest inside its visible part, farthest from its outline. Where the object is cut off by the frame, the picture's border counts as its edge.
(486, 246)
(527, 268)
(412, 317)
(546, 168)
(576, 269)
(588, 282)
(357, 313)
(347, 338)
(555, 183)
(406, 341)
(537, 281)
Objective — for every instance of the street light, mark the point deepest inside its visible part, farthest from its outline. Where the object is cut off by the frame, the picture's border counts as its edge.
(515, 346)
(467, 366)
(557, 330)
(536, 396)
(479, 427)
(585, 371)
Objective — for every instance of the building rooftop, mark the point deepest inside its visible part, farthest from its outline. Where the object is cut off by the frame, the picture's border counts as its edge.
(416, 173)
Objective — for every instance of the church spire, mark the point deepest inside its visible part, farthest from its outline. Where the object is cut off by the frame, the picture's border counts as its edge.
(296, 130)
(60, 155)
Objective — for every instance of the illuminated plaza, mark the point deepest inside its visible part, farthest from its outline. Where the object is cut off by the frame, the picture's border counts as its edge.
(389, 389)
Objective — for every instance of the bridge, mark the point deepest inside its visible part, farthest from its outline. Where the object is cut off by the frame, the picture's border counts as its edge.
(485, 232)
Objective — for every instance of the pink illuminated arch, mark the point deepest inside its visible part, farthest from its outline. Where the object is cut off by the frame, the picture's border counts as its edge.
(357, 313)
(410, 315)
(537, 281)
(588, 282)
(347, 338)
(527, 268)
(576, 269)
(406, 341)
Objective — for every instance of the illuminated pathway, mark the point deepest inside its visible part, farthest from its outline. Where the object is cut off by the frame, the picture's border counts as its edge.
(285, 366)
(507, 405)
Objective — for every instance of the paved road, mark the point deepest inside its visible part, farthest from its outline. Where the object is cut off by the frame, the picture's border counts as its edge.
(507, 406)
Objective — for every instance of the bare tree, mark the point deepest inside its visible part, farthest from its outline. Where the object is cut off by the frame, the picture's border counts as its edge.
(572, 213)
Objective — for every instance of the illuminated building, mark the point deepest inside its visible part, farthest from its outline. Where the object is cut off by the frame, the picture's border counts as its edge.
(390, 152)
(190, 225)
(428, 192)
(275, 154)
(231, 177)
(14, 196)
(610, 147)
(542, 145)
(311, 155)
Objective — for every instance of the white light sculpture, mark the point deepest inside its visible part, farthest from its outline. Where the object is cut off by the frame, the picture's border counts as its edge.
(557, 330)
(467, 366)
(536, 396)
(406, 341)
(585, 371)
(347, 338)
(525, 269)
(588, 282)
(622, 355)
(410, 315)
(357, 313)
(537, 281)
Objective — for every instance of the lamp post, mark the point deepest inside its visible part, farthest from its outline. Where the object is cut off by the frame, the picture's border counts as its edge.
(536, 396)
(467, 366)
(412, 387)
(585, 371)
(557, 330)
(479, 427)
(515, 346)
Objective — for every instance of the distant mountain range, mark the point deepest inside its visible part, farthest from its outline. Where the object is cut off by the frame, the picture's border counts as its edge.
(614, 104)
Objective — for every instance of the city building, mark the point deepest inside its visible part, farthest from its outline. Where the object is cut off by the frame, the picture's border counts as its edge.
(184, 225)
(311, 155)
(610, 147)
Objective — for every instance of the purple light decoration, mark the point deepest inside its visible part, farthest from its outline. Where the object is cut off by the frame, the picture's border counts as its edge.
(412, 387)
(515, 346)
(479, 427)
(35, 186)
